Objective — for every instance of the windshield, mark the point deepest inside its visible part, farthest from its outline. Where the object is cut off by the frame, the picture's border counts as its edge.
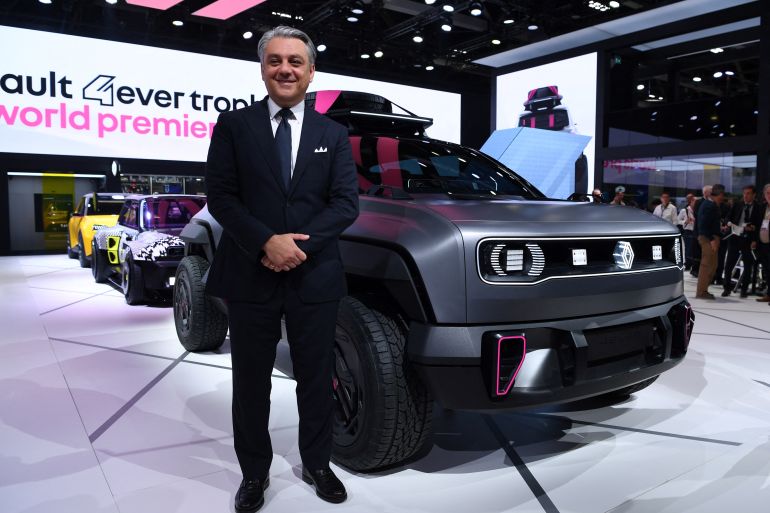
(425, 166)
(171, 212)
(104, 207)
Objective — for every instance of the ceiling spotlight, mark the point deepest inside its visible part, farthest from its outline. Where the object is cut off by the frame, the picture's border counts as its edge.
(47, 2)
(248, 34)
(718, 74)
(352, 19)
(716, 50)
(696, 79)
(321, 47)
(532, 27)
(357, 7)
(729, 73)
(430, 2)
(417, 37)
(496, 41)
(476, 9)
(448, 7)
(111, 2)
(614, 4)
(446, 26)
(429, 67)
(640, 87)
(177, 23)
(365, 55)
(508, 21)
(378, 53)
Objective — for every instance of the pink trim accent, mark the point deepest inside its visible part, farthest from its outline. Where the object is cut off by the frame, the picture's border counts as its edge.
(154, 4)
(387, 157)
(554, 90)
(324, 100)
(550, 120)
(355, 146)
(531, 94)
(224, 9)
(532, 122)
(516, 373)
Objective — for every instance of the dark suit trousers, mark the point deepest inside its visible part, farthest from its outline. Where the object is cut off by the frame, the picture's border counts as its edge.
(255, 329)
(738, 246)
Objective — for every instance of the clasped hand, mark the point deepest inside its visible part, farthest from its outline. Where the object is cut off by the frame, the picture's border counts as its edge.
(282, 252)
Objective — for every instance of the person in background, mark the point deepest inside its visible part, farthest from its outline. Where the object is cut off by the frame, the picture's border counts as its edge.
(709, 236)
(597, 196)
(686, 221)
(666, 210)
(696, 247)
(743, 221)
(620, 193)
(724, 214)
(763, 240)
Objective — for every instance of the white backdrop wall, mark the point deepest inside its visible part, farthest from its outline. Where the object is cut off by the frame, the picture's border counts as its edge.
(69, 95)
(576, 80)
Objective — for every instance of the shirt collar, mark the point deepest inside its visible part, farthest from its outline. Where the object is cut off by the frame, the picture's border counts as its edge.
(298, 110)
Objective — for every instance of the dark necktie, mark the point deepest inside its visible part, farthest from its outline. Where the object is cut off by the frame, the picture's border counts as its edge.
(283, 144)
(746, 213)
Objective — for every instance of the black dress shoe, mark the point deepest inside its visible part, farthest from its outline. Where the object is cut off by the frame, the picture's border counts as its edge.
(327, 485)
(251, 495)
(744, 294)
(725, 293)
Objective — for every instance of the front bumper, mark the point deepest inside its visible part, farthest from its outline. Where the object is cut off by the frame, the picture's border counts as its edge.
(159, 274)
(530, 364)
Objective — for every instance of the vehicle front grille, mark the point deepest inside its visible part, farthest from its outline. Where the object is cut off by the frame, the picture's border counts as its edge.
(510, 261)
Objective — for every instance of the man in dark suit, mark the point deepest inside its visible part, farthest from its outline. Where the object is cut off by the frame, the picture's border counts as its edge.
(744, 220)
(282, 183)
(709, 235)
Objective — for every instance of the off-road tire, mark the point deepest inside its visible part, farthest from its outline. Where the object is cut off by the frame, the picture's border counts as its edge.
(99, 264)
(200, 325)
(395, 406)
(132, 281)
(82, 258)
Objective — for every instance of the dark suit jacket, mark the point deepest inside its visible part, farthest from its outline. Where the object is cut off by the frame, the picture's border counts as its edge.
(247, 197)
(757, 212)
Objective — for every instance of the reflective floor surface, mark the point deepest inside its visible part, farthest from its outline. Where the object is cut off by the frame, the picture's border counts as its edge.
(101, 410)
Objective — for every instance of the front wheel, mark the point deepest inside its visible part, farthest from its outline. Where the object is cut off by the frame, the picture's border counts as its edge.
(200, 325)
(71, 253)
(132, 281)
(82, 258)
(99, 265)
(383, 411)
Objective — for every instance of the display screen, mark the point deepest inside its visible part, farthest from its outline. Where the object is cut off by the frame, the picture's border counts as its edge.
(69, 95)
(555, 97)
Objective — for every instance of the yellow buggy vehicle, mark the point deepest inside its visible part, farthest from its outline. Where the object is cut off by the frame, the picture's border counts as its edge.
(96, 210)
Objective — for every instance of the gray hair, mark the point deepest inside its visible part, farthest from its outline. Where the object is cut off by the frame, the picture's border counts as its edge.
(287, 32)
(766, 188)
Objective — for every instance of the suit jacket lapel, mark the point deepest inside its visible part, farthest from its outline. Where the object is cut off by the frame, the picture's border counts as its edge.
(312, 131)
(258, 119)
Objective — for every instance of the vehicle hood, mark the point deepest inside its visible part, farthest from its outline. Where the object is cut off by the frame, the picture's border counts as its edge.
(545, 218)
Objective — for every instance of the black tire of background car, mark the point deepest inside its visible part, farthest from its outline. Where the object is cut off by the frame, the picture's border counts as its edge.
(99, 267)
(82, 258)
(396, 415)
(132, 281)
(70, 252)
(632, 389)
(200, 325)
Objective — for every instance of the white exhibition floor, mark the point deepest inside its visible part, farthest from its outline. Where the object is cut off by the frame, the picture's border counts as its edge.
(101, 410)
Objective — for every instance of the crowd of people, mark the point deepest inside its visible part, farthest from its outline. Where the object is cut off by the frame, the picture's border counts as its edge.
(719, 231)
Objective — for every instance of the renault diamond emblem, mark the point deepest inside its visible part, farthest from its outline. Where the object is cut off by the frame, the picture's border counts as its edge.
(624, 255)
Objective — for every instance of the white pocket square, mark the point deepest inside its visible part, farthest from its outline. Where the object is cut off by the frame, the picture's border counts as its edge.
(321, 149)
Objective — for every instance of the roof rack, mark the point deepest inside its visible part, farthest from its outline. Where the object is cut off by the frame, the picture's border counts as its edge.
(366, 112)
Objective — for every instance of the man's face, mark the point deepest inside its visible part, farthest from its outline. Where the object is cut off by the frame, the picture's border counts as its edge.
(286, 70)
(748, 195)
(665, 198)
(718, 198)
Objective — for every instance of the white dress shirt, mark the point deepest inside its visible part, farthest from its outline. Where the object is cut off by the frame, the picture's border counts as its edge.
(295, 124)
(668, 213)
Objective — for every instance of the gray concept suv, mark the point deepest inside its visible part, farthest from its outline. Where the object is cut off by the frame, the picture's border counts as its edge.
(470, 288)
